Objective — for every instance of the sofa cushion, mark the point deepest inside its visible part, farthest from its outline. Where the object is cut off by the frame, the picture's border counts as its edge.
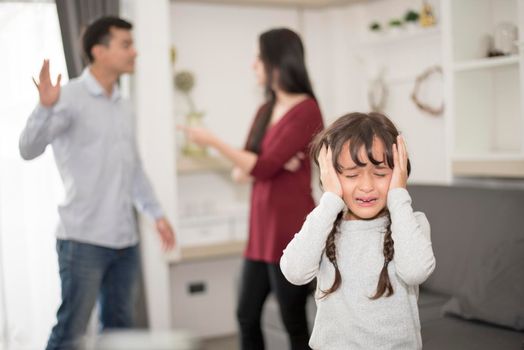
(495, 293)
(446, 332)
(466, 222)
(478, 238)
(456, 334)
(430, 306)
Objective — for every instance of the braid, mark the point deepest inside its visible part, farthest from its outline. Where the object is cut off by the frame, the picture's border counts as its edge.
(331, 253)
(384, 284)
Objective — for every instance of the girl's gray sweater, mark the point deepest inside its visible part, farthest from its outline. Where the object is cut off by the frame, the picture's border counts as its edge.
(348, 318)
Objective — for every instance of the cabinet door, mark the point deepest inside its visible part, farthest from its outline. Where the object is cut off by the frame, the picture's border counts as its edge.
(203, 296)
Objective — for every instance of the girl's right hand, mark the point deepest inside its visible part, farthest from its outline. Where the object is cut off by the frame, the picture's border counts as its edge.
(328, 174)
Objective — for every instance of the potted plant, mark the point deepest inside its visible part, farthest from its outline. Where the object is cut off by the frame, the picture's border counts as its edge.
(375, 27)
(184, 83)
(411, 18)
(395, 25)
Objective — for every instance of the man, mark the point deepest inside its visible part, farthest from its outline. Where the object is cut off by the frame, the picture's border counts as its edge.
(90, 129)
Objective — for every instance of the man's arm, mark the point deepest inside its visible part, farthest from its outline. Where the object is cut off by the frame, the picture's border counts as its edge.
(48, 119)
(143, 195)
(145, 201)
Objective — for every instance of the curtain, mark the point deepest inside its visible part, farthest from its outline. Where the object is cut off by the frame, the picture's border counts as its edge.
(74, 16)
(29, 191)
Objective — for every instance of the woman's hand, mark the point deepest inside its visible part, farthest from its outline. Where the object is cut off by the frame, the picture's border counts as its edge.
(200, 136)
(399, 178)
(295, 162)
(328, 174)
(239, 176)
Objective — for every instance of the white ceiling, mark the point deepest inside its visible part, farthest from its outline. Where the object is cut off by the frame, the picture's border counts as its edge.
(294, 3)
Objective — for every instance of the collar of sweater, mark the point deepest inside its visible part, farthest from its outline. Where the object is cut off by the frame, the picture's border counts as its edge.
(365, 225)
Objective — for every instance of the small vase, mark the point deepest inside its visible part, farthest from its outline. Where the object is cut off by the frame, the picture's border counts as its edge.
(191, 149)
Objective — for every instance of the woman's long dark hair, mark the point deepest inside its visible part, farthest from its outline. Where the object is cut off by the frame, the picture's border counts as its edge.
(362, 130)
(281, 51)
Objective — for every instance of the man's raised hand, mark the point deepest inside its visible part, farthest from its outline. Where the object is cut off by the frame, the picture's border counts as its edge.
(48, 92)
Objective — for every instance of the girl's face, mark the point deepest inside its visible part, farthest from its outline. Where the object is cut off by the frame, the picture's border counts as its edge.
(364, 189)
(260, 72)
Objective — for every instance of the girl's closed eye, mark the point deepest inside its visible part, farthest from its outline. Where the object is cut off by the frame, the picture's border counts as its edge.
(381, 171)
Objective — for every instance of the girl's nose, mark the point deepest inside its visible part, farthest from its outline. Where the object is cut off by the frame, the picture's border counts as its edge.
(366, 183)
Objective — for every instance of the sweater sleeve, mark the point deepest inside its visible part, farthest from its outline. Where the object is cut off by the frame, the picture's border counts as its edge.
(300, 261)
(294, 137)
(414, 258)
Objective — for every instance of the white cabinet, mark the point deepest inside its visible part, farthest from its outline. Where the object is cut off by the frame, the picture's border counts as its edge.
(211, 235)
(204, 290)
(484, 95)
(212, 208)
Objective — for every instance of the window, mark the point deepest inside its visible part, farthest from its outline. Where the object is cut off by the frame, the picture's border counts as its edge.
(29, 191)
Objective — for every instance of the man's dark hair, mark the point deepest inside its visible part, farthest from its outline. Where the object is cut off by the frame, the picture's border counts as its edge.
(99, 32)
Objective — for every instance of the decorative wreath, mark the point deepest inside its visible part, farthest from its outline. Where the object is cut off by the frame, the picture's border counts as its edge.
(435, 111)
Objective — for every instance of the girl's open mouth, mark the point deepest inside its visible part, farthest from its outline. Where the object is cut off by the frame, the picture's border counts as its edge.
(366, 201)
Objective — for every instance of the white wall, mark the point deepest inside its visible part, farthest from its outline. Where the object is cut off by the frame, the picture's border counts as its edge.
(327, 35)
(404, 60)
(155, 129)
(344, 61)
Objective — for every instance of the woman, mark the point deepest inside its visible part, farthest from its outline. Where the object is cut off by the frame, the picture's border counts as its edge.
(281, 197)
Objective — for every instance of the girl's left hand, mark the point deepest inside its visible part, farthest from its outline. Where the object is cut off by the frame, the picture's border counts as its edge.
(399, 178)
(200, 136)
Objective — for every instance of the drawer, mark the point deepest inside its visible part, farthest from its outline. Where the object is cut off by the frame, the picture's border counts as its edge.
(203, 296)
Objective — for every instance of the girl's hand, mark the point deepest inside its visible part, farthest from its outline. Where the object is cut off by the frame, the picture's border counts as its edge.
(399, 178)
(200, 136)
(328, 174)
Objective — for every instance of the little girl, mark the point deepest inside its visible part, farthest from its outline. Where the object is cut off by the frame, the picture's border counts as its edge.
(367, 248)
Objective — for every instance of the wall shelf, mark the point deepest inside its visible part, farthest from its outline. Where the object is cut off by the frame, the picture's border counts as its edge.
(488, 157)
(484, 63)
(400, 37)
(188, 165)
(208, 251)
(509, 168)
(484, 94)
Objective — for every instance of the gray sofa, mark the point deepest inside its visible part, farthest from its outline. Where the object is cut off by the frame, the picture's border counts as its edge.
(475, 297)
